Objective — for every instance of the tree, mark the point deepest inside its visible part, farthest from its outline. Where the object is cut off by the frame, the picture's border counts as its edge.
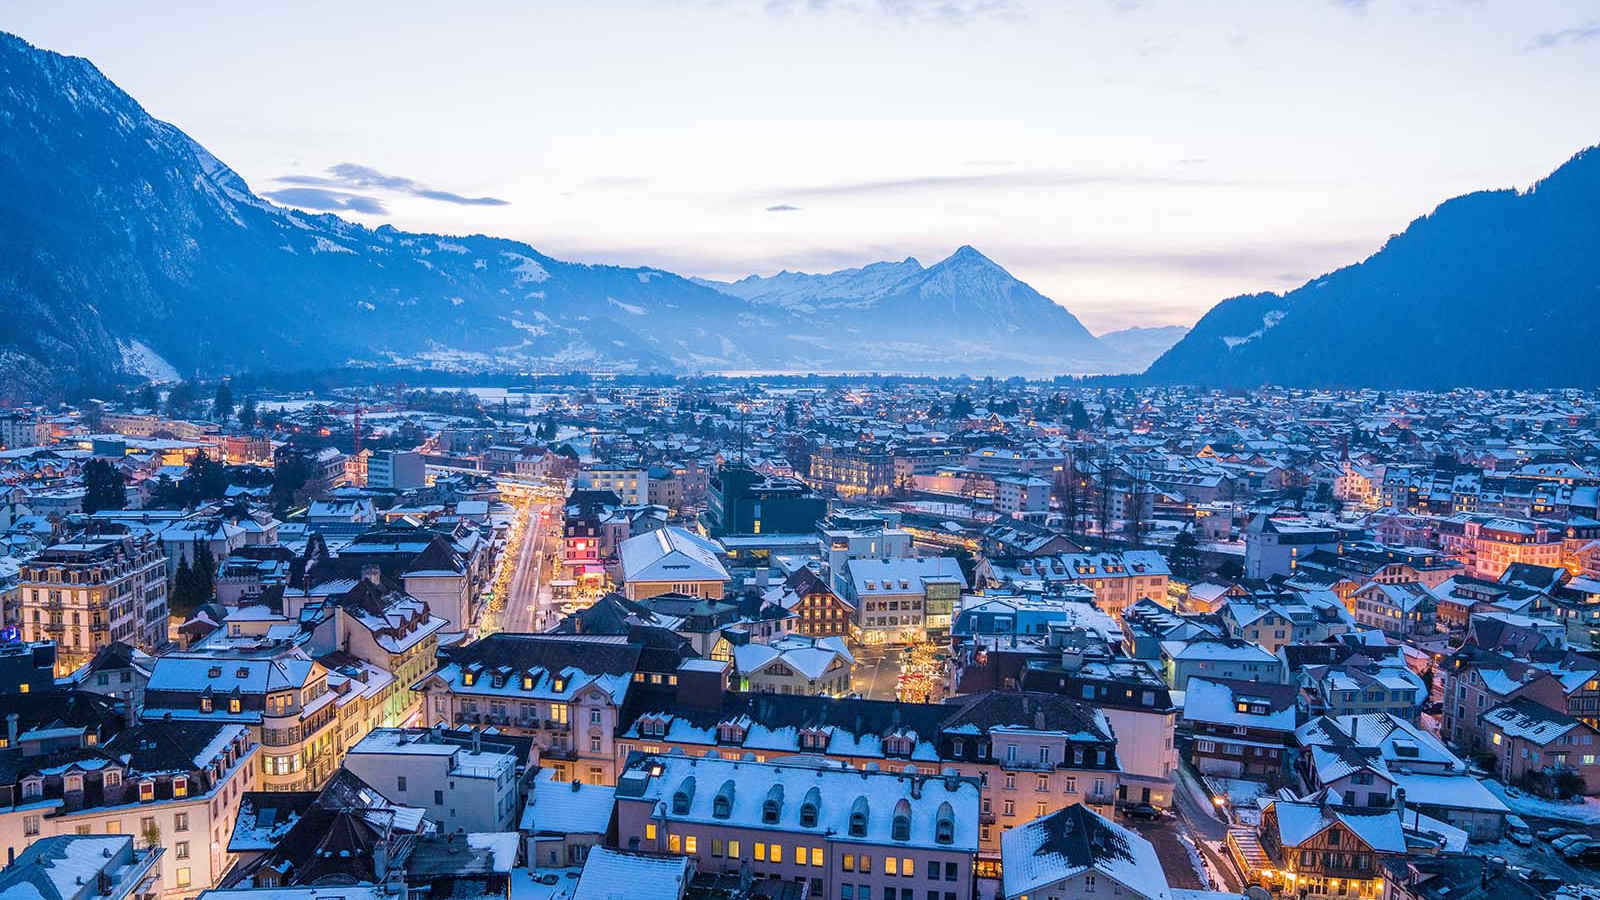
(222, 405)
(247, 413)
(147, 398)
(1185, 554)
(204, 574)
(960, 407)
(181, 599)
(181, 399)
(104, 487)
(1080, 416)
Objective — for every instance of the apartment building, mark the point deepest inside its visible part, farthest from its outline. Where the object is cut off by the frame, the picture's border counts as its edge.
(857, 834)
(463, 783)
(92, 591)
(168, 784)
(903, 600)
(1119, 580)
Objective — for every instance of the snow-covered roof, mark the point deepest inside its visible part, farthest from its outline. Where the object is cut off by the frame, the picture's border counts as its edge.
(1074, 840)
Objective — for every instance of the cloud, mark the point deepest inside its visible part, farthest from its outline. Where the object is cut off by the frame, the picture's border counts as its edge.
(994, 180)
(937, 12)
(326, 200)
(783, 207)
(1577, 35)
(353, 176)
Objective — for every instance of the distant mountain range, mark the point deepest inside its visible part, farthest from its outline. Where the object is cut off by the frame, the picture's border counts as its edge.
(1492, 289)
(127, 247)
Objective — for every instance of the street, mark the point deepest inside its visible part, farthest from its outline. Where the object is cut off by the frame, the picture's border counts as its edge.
(529, 605)
(877, 672)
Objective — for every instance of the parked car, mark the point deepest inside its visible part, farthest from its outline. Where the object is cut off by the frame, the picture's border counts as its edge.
(1561, 844)
(1549, 834)
(1579, 847)
(1144, 811)
(1590, 855)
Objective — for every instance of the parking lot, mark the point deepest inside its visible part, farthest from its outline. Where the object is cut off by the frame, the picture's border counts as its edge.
(1540, 856)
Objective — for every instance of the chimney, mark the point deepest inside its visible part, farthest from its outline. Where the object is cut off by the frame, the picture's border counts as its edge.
(1400, 804)
(477, 741)
(11, 728)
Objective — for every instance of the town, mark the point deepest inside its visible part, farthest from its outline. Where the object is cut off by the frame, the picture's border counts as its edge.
(598, 637)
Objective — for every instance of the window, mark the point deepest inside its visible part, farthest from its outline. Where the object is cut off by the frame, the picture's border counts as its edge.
(183, 876)
(891, 865)
(776, 853)
(761, 852)
(438, 798)
(866, 863)
(691, 844)
(180, 821)
(848, 862)
(674, 843)
(908, 868)
(650, 831)
(147, 791)
(180, 786)
(733, 849)
(400, 783)
(816, 857)
(30, 826)
(181, 850)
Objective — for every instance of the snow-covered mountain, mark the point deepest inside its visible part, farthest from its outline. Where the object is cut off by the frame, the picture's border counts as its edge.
(965, 307)
(128, 248)
(1138, 347)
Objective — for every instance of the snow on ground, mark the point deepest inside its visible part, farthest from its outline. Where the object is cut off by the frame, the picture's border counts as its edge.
(1201, 870)
(525, 884)
(1585, 813)
(139, 359)
(526, 270)
(1242, 796)
(632, 308)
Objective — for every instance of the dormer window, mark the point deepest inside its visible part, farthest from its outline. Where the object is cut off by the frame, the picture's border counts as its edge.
(147, 791)
(113, 777)
(72, 782)
(242, 673)
(214, 672)
(527, 682)
(858, 818)
(32, 788)
(944, 824)
(900, 825)
(683, 797)
(234, 705)
(809, 807)
(468, 678)
(772, 807)
(205, 704)
(180, 786)
(560, 684)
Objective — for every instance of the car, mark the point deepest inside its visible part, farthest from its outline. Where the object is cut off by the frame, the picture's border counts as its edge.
(1549, 834)
(1518, 831)
(1578, 848)
(1144, 811)
(1561, 844)
(548, 878)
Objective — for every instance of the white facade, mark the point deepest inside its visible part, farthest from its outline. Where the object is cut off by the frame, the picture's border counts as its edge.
(462, 788)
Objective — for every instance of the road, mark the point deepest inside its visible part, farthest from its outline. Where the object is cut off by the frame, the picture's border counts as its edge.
(877, 673)
(529, 605)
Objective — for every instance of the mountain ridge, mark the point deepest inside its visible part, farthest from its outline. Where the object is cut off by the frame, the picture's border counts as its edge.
(133, 243)
(1494, 288)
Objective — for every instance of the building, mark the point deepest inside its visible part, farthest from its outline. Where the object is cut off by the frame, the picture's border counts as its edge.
(609, 874)
(1218, 657)
(836, 830)
(1021, 495)
(1032, 753)
(743, 501)
(1328, 850)
(1119, 580)
(1076, 853)
(903, 600)
(163, 783)
(1398, 610)
(398, 470)
(854, 471)
(795, 664)
(463, 783)
(303, 714)
(1242, 729)
(672, 560)
(87, 593)
(845, 536)
(631, 485)
(1274, 546)
(83, 867)
(818, 610)
(565, 820)
(1534, 745)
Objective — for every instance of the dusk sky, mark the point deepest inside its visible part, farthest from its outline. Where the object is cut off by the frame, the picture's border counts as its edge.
(1136, 161)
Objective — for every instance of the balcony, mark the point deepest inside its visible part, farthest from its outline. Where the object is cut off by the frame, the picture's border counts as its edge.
(551, 725)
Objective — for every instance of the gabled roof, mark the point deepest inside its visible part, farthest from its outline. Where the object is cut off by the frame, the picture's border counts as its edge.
(1074, 840)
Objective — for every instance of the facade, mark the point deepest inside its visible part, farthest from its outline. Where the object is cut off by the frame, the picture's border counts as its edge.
(175, 785)
(818, 610)
(398, 470)
(1119, 580)
(743, 501)
(1398, 610)
(1326, 850)
(631, 485)
(1217, 657)
(855, 834)
(904, 600)
(1018, 495)
(795, 665)
(463, 784)
(1530, 739)
(85, 594)
(1274, 546)
(861, 470)
(1242, 729)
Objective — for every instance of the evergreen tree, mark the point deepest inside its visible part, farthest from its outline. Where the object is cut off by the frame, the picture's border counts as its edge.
(181, 599)
(148, 398)
(247, 413)
(104, 487)
(204, 574)
(1080, 416)
(222, 406)
(1185, 554)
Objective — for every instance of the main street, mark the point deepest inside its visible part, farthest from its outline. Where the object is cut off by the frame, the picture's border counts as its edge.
(529, 603)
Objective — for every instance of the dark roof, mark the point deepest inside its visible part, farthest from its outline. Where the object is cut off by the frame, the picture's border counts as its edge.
(520, 652)
(1080, 837)
(165, 746)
